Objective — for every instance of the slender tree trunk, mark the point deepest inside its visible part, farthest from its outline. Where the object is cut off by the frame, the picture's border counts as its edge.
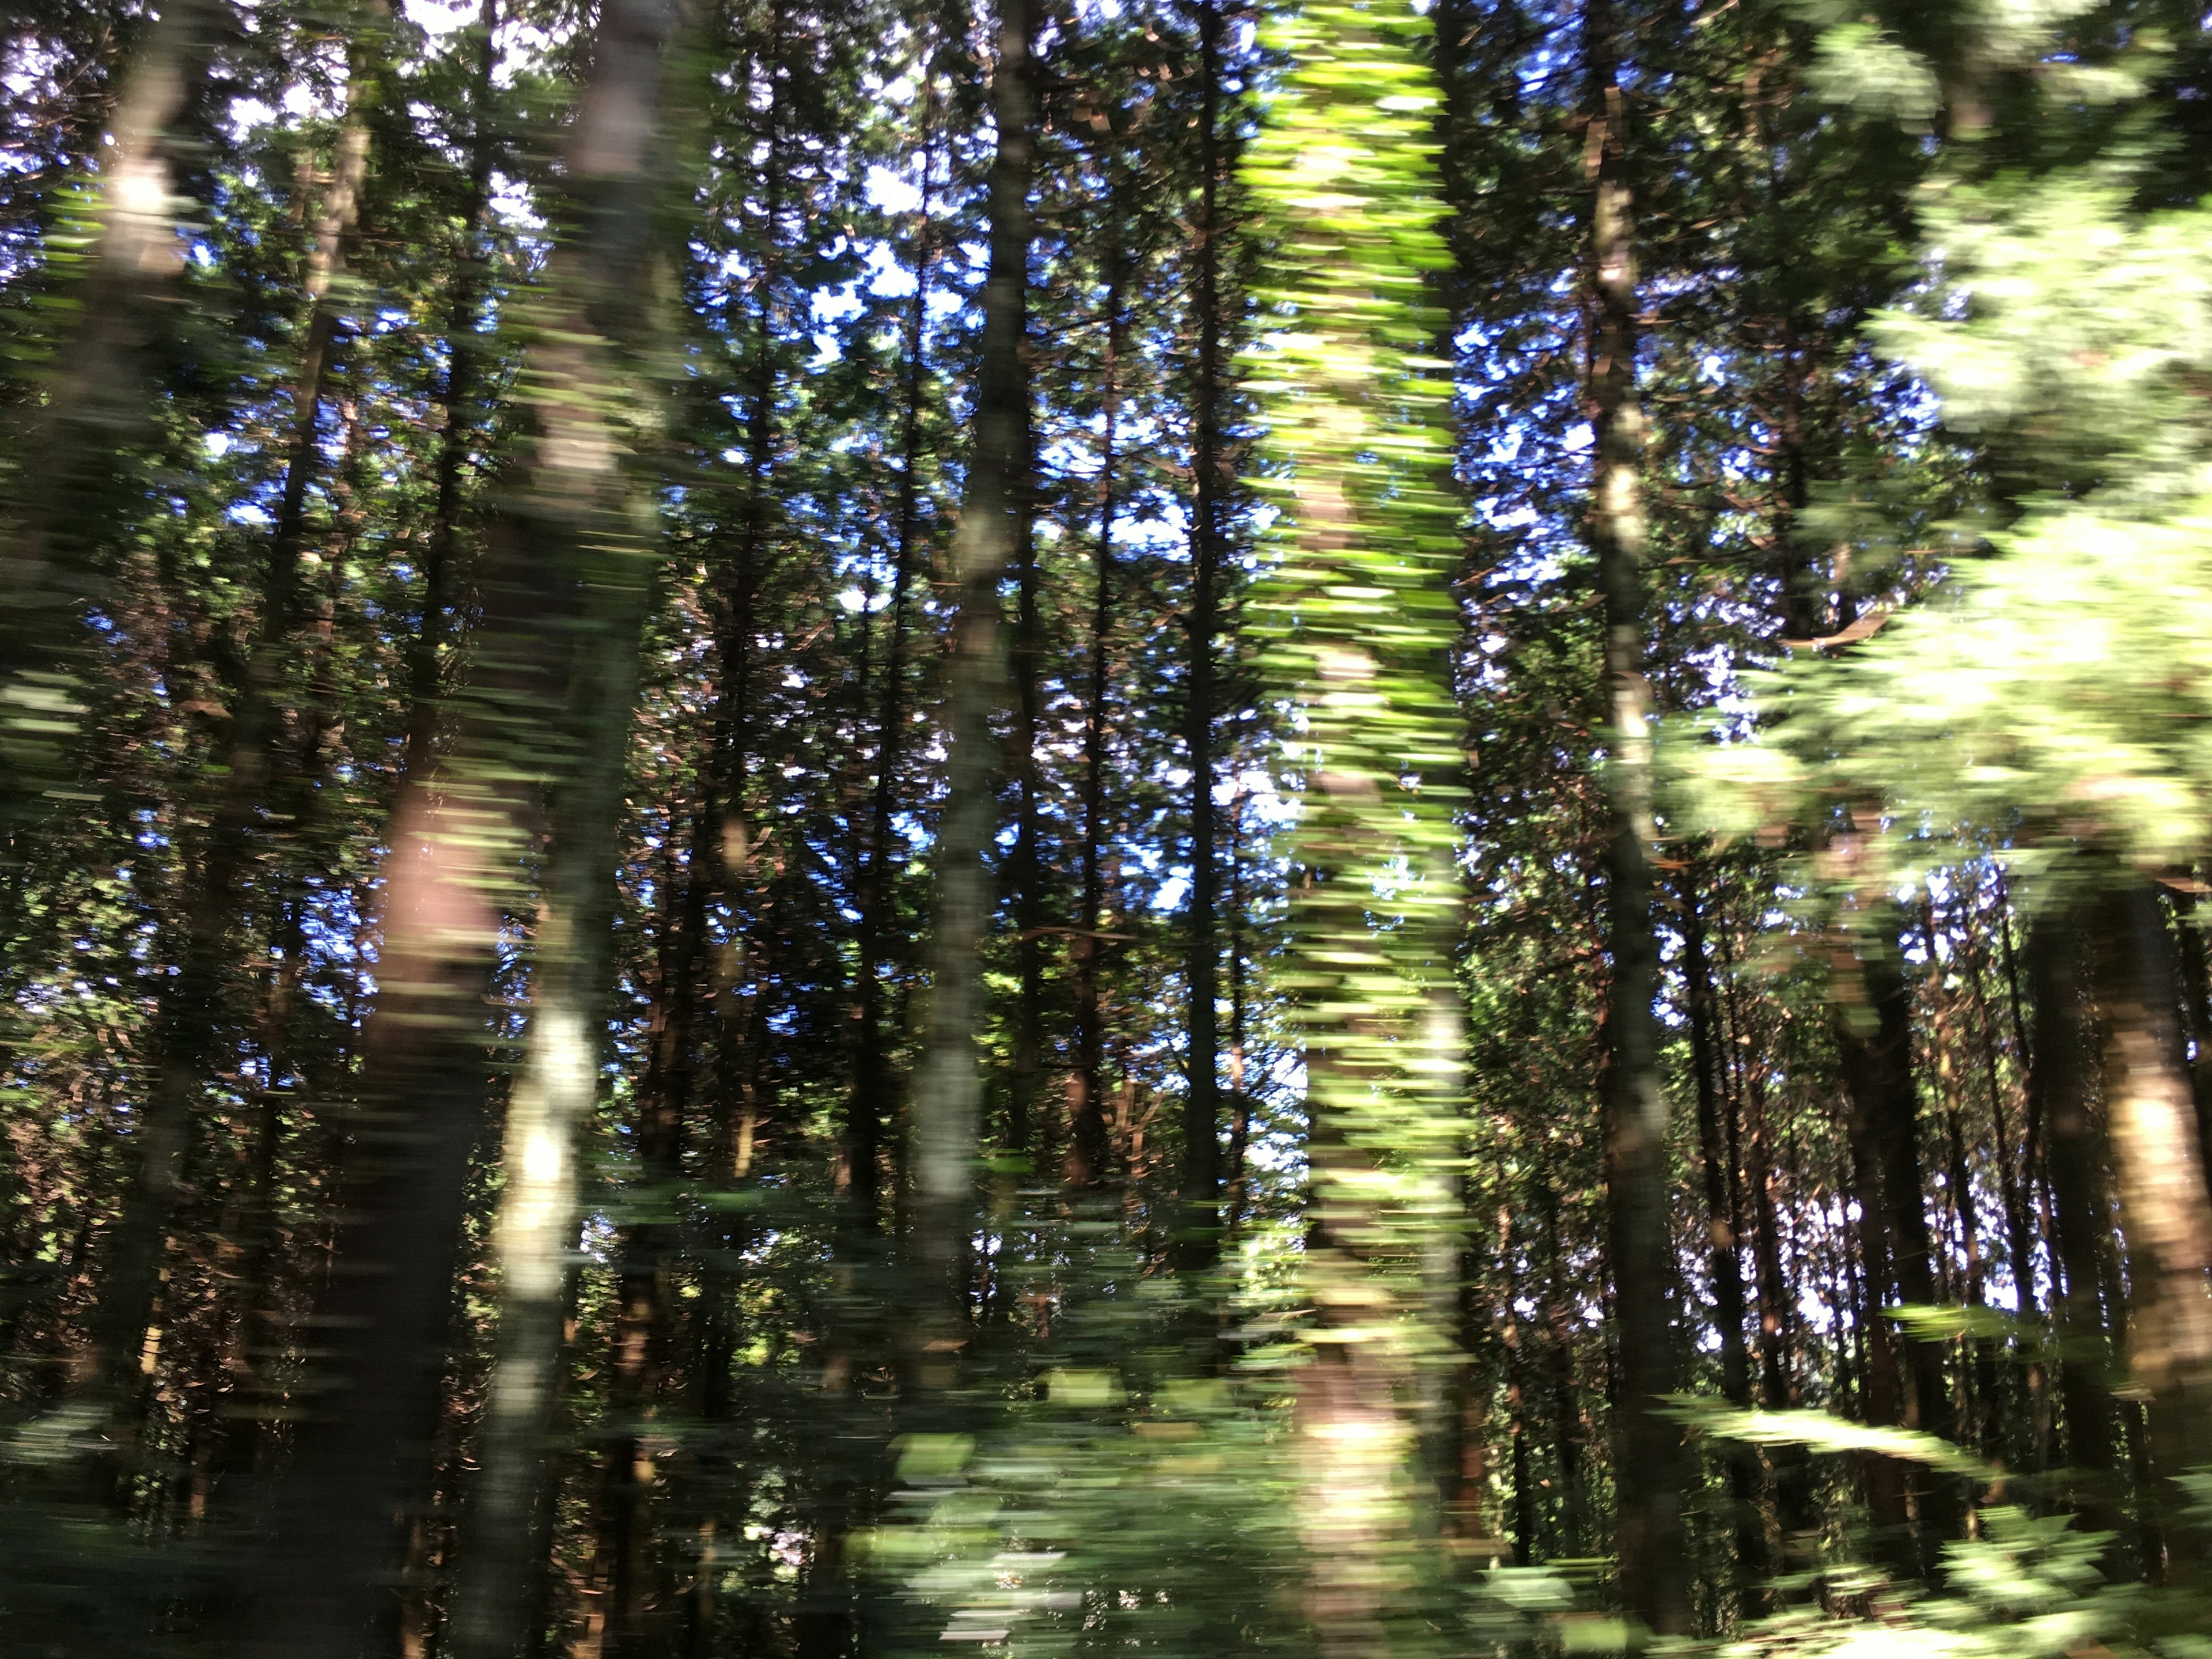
(1200, 1222)
(947, 1101)
(360, 1467)
(456, 394)
(1654, 1564)
(1086, 1161)
(871, 1104)
(1723, 1226)
(1566, 1411)
(2059, 1089)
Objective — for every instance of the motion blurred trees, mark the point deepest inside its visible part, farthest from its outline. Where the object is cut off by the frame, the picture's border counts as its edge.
(1356, 827)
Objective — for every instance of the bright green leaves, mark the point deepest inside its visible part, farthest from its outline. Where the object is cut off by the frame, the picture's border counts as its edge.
(1359, 616)
(2066, 683)
(1360, 625)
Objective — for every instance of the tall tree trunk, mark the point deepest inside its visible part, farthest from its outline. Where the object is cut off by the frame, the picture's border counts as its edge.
(1200, 1225)
(1724, 1226)
(948, 1095)
(2163, 1206)
(2026, 1450)
(1559, 1364)
(456, 394)
(360, 1467)
(1086, 1160)
(1874, 1040)
(871, 1104)
(2059, 1081)
(1654, 1563)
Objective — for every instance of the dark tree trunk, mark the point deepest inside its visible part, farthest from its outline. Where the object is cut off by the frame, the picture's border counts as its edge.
(2059, 1087)
(1200, 1222)
(871, 1103)
(1086, 1169)
(1723, 1227)
(1874, 1041)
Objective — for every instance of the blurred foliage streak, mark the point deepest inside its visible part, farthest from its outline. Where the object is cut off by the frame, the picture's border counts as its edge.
(117, 254)
(1361, 625)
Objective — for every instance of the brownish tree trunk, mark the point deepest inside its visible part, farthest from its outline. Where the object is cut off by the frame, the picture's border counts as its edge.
(2059, 1081)
(947, 1099)
(1724, 1227)
(2163, 1206)
(1648, 1459)
(1200, 1225)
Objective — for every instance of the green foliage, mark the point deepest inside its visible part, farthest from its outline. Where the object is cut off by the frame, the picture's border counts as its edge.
(1358, 616)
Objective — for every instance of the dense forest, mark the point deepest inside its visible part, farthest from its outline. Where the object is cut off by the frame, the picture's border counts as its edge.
(1378, 827)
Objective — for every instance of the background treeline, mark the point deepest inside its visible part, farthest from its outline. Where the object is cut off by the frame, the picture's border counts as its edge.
(828, 828)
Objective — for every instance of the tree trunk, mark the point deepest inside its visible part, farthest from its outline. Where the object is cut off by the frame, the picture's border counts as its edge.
(360, 1471)
(1874, 1041)
(2082, 1215)
(1085, 1168)
(1724, 1226)
(192, 1020)
(871, 1104)
(948, 1095)
(2163, 1208)
(65, 494)
(1200, 1224)
(456, 392)
(1654, 1563)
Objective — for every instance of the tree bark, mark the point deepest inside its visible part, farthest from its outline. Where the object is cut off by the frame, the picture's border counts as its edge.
(1723, 1229)
(192, 1020)
(872, 1105)
(2163, 1206)
(948, 1095)
(2059, 1081)
(1874, 1043)
(1654, 1562)
(65, 491)
(1086, 1169)
(1200, 1225)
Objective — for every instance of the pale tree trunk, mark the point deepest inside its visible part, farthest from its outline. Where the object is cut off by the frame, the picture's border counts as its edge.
(2152, 1115)
(1649, 1460)
(361, 1464)
(948, 1094)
